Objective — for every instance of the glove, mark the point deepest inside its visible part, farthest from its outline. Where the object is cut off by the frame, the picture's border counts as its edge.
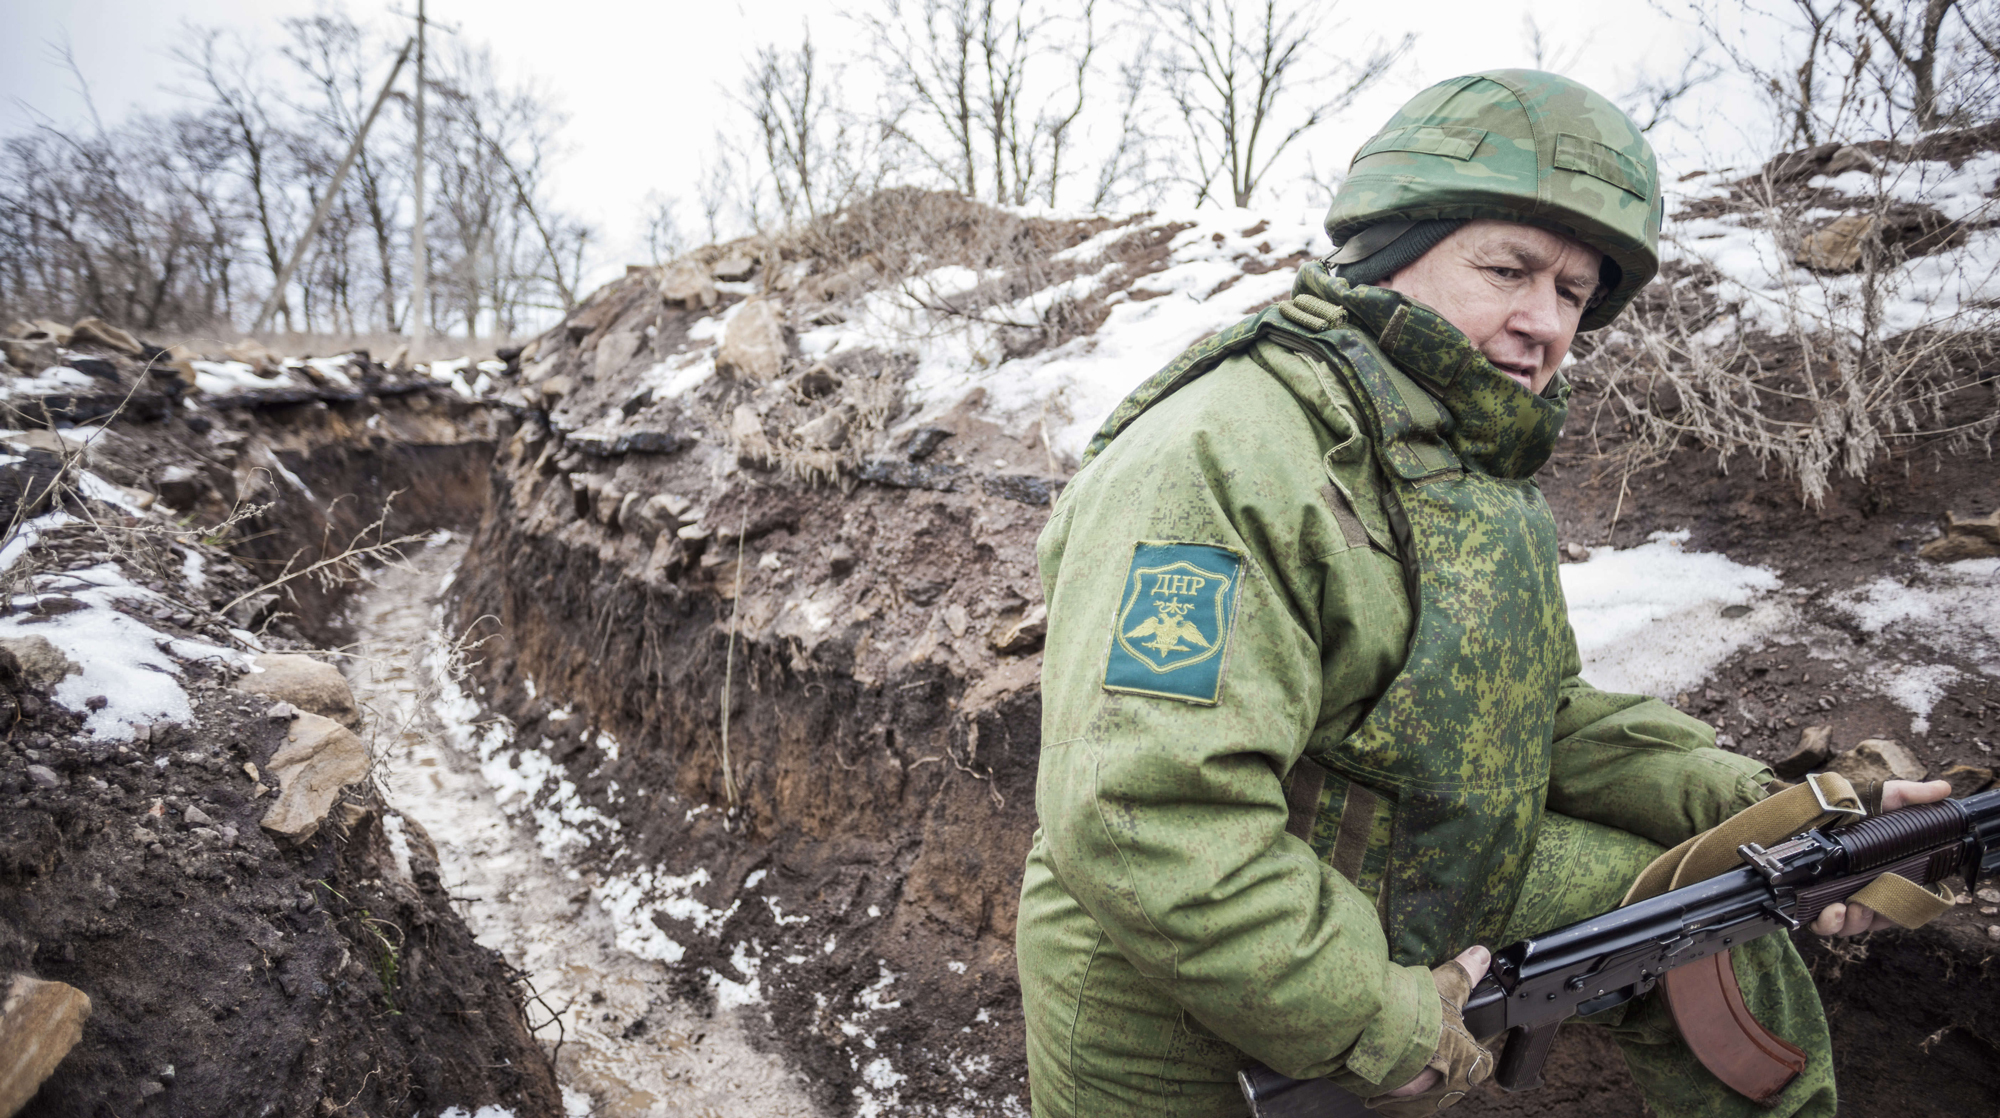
(1460, 1062)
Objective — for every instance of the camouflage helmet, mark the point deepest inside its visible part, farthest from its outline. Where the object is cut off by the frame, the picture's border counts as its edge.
(1517, 145)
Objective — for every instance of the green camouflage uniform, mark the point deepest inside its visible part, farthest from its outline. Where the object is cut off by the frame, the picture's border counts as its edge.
(1315, 536)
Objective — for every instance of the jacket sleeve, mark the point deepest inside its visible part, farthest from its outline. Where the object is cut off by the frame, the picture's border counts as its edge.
(1639, 765)
(1165, 819)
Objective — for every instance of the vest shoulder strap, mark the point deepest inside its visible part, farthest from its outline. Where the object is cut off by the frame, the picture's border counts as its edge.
(1408, 424)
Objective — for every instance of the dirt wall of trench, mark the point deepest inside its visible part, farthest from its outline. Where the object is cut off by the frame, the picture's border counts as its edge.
(883, 801)
(229, 971)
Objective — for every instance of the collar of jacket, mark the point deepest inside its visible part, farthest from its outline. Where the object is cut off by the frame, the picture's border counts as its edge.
(1493, 423)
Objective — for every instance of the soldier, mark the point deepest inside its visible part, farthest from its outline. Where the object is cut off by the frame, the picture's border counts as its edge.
(1312, 719)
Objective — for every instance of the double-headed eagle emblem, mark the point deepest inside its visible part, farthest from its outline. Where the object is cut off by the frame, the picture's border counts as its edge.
(1168, 628)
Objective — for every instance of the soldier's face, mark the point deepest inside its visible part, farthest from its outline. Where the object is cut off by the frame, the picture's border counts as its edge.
(1517, 291)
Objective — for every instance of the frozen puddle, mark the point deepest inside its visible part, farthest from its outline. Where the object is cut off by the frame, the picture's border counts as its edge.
(629, 1049)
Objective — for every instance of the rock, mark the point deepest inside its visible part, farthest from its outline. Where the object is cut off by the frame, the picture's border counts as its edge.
(609, 444)
(104, 334)
(282, 712)
(39, 1023)
(322, 758)
(1993, 931)
(649, 515)
(818, 381)
(1814, 748)
(249, 611)
(1024, 635)
(256, 355)
(554, 389)
(617, 351)
(734, 268)
(1988, 894)
(40, 330)
(686, 284)
(956, 620)
(746, 430)
(605, 502)
(1849, 158)
(32, 484)
(304, 682)
(29, 358)
(1576, 552)
(829, 431)
(1971, 538)
(44, 777)
(753, 347)
(195, 817)
(840, 560)
(942, 477)
(623, 518)
(1837, 248)
(181, 487)
(41, 662)
(924, 442)
(1968, 780)
(1874, 761)
(1025, 488)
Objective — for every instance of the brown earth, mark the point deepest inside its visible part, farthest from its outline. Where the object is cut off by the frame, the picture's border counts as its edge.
(229, 972)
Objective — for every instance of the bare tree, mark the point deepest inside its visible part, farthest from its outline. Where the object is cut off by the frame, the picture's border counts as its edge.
(1654, 99)
(172, 220)
(664, 239)
(1865, 66)
(1545, 53)
(991, 96)
(1243, 78)
(238, 101)
(1912, 39)
(336, 57)
(804, 142)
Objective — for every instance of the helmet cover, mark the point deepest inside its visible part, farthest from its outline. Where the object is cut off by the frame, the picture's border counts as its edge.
(1515, 145)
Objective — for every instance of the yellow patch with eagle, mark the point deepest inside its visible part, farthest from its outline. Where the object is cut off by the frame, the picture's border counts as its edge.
(1173, 622)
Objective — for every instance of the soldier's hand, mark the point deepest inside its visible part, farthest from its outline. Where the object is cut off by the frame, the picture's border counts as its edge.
(1854, 919)
(1459, 1063)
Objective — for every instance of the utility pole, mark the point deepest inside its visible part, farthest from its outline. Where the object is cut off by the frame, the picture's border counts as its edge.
(420, 259)
(284, 276)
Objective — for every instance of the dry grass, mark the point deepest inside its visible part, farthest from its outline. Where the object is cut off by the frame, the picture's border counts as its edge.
(1833, 392)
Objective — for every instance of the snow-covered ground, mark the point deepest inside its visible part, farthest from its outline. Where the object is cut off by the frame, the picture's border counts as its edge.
(630, 1048)
(1775, 293)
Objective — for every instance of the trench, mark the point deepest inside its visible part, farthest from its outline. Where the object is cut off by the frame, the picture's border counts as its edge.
(625, 1046)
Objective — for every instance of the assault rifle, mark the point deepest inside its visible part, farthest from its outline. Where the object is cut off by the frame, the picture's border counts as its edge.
(1594, 964)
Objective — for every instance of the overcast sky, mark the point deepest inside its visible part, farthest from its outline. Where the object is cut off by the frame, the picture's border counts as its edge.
(643, 82)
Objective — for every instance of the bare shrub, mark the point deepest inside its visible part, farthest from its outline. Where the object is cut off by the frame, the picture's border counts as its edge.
(1818, 378)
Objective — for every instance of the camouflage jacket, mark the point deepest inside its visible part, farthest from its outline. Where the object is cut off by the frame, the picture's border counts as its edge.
(1161, 794)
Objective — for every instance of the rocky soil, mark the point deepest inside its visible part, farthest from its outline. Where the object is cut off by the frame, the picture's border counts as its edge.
(256, 933)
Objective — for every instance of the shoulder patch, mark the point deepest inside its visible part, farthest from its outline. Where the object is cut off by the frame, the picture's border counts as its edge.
(1173, 621)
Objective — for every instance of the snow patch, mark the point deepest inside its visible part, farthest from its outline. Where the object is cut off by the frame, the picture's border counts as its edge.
(133, 667)
(1655, 619)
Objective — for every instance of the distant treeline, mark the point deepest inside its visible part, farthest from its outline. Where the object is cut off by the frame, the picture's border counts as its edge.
(183, 219)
